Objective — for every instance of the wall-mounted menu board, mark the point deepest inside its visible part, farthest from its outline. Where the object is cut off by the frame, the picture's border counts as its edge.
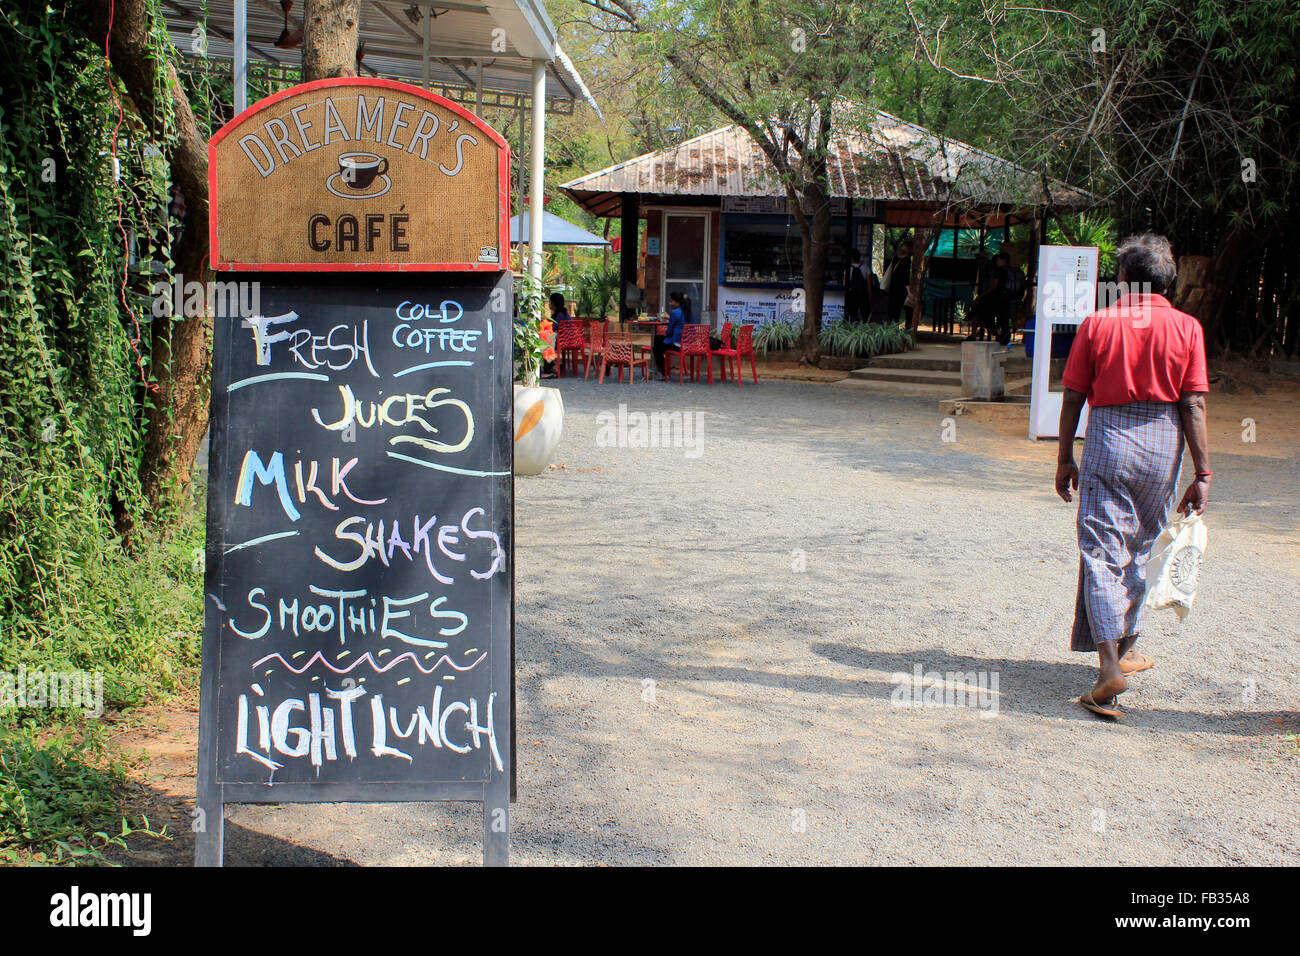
(359, 592)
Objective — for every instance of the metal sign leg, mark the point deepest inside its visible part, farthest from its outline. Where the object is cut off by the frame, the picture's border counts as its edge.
(496, 822)
(210, 827)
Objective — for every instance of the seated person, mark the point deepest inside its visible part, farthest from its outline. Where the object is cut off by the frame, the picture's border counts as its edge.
(672, 340)
(549, 330)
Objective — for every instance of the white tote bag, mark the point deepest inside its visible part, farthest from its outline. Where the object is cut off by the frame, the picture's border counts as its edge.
(1175, 564)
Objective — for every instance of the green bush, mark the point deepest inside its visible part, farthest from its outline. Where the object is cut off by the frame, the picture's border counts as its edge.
(59, 797)
(777, 336)
(863, 339)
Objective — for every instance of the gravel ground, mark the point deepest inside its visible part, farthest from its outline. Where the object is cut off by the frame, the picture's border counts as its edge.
(821, 541)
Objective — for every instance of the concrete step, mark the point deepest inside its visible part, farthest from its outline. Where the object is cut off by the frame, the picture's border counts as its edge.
(915, 376)
(917, 360)
(942, 364)
(1019, 385)
(908, 389)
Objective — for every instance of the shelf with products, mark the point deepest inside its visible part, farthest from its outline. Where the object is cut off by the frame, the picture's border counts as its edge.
(767, 251)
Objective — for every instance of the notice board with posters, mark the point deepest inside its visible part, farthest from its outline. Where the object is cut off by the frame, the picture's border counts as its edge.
(359, 589)
(1066, 295)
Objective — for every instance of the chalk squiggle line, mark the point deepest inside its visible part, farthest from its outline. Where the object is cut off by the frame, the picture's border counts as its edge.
(379, 669)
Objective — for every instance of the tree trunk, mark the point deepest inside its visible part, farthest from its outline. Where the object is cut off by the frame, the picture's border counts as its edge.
(1291, 311)
(815, 234)
(916, 281)
(180, 355)
(1221, 279)
(329, 42)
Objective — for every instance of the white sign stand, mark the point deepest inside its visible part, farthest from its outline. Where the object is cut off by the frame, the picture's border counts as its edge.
(1067, 294)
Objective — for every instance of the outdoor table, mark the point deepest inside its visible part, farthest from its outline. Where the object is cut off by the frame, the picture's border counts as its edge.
(644, 326)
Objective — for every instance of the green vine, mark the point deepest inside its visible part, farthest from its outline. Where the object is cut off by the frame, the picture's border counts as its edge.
(84, 233)
(529, 344)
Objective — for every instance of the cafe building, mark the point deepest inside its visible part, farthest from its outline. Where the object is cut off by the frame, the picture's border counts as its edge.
(709, 216)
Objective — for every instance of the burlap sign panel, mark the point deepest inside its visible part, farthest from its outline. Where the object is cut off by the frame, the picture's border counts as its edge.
(357, 176)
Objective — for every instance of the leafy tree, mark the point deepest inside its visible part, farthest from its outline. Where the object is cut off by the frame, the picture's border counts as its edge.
(783, 71)
(1183, 119)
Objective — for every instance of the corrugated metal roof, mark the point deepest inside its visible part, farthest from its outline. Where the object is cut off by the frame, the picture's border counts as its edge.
(893, 160)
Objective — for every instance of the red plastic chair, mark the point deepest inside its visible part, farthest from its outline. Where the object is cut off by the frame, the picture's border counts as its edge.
(598, 341)
(725, 336)
(744, 346)
(619, 352)
(695, 346)
(570, 345)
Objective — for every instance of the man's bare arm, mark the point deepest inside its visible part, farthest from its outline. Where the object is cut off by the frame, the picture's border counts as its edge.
(1191, 409)
(1067, 472)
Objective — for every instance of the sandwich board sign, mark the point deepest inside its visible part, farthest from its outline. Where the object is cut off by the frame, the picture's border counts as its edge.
(358, 626)
(1067, 294)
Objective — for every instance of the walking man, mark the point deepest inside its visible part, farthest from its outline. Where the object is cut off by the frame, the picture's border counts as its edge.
(1141, 366)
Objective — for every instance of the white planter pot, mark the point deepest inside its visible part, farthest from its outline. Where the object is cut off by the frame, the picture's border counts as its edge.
(539, 422)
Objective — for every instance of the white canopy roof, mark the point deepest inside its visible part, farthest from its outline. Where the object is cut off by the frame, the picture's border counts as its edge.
(470, 42)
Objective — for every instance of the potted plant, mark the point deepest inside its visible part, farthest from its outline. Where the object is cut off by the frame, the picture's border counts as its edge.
(539, 411)
(597, 292)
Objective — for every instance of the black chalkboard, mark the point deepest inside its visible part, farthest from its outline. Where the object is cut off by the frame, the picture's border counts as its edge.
(358, 595)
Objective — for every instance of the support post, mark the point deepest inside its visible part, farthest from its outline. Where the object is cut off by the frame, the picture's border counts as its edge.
(627, 255)
(241, 56)
(537, 184)
(428, 36)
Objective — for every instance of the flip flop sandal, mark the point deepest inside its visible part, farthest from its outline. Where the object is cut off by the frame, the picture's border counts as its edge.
(1105, 710)
(1137, 664)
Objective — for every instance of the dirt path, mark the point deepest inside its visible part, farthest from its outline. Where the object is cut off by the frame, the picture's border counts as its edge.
(709, 648)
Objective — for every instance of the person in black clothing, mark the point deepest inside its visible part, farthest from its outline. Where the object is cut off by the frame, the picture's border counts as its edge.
(858, 290)
(857, 306)
(981, 319)
(1002, 295)
(899, 275)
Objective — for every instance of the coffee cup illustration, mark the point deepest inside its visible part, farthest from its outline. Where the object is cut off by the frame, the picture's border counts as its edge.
(359, 170)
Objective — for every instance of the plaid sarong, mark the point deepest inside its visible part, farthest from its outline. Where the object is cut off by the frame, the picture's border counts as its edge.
(1127, 480)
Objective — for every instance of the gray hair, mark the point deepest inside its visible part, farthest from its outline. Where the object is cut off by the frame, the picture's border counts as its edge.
(1147, 259)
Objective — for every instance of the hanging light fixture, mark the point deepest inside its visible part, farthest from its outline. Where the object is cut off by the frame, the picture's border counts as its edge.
(288, 39)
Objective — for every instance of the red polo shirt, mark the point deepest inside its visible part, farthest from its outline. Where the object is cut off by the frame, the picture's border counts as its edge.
(1141, 349)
